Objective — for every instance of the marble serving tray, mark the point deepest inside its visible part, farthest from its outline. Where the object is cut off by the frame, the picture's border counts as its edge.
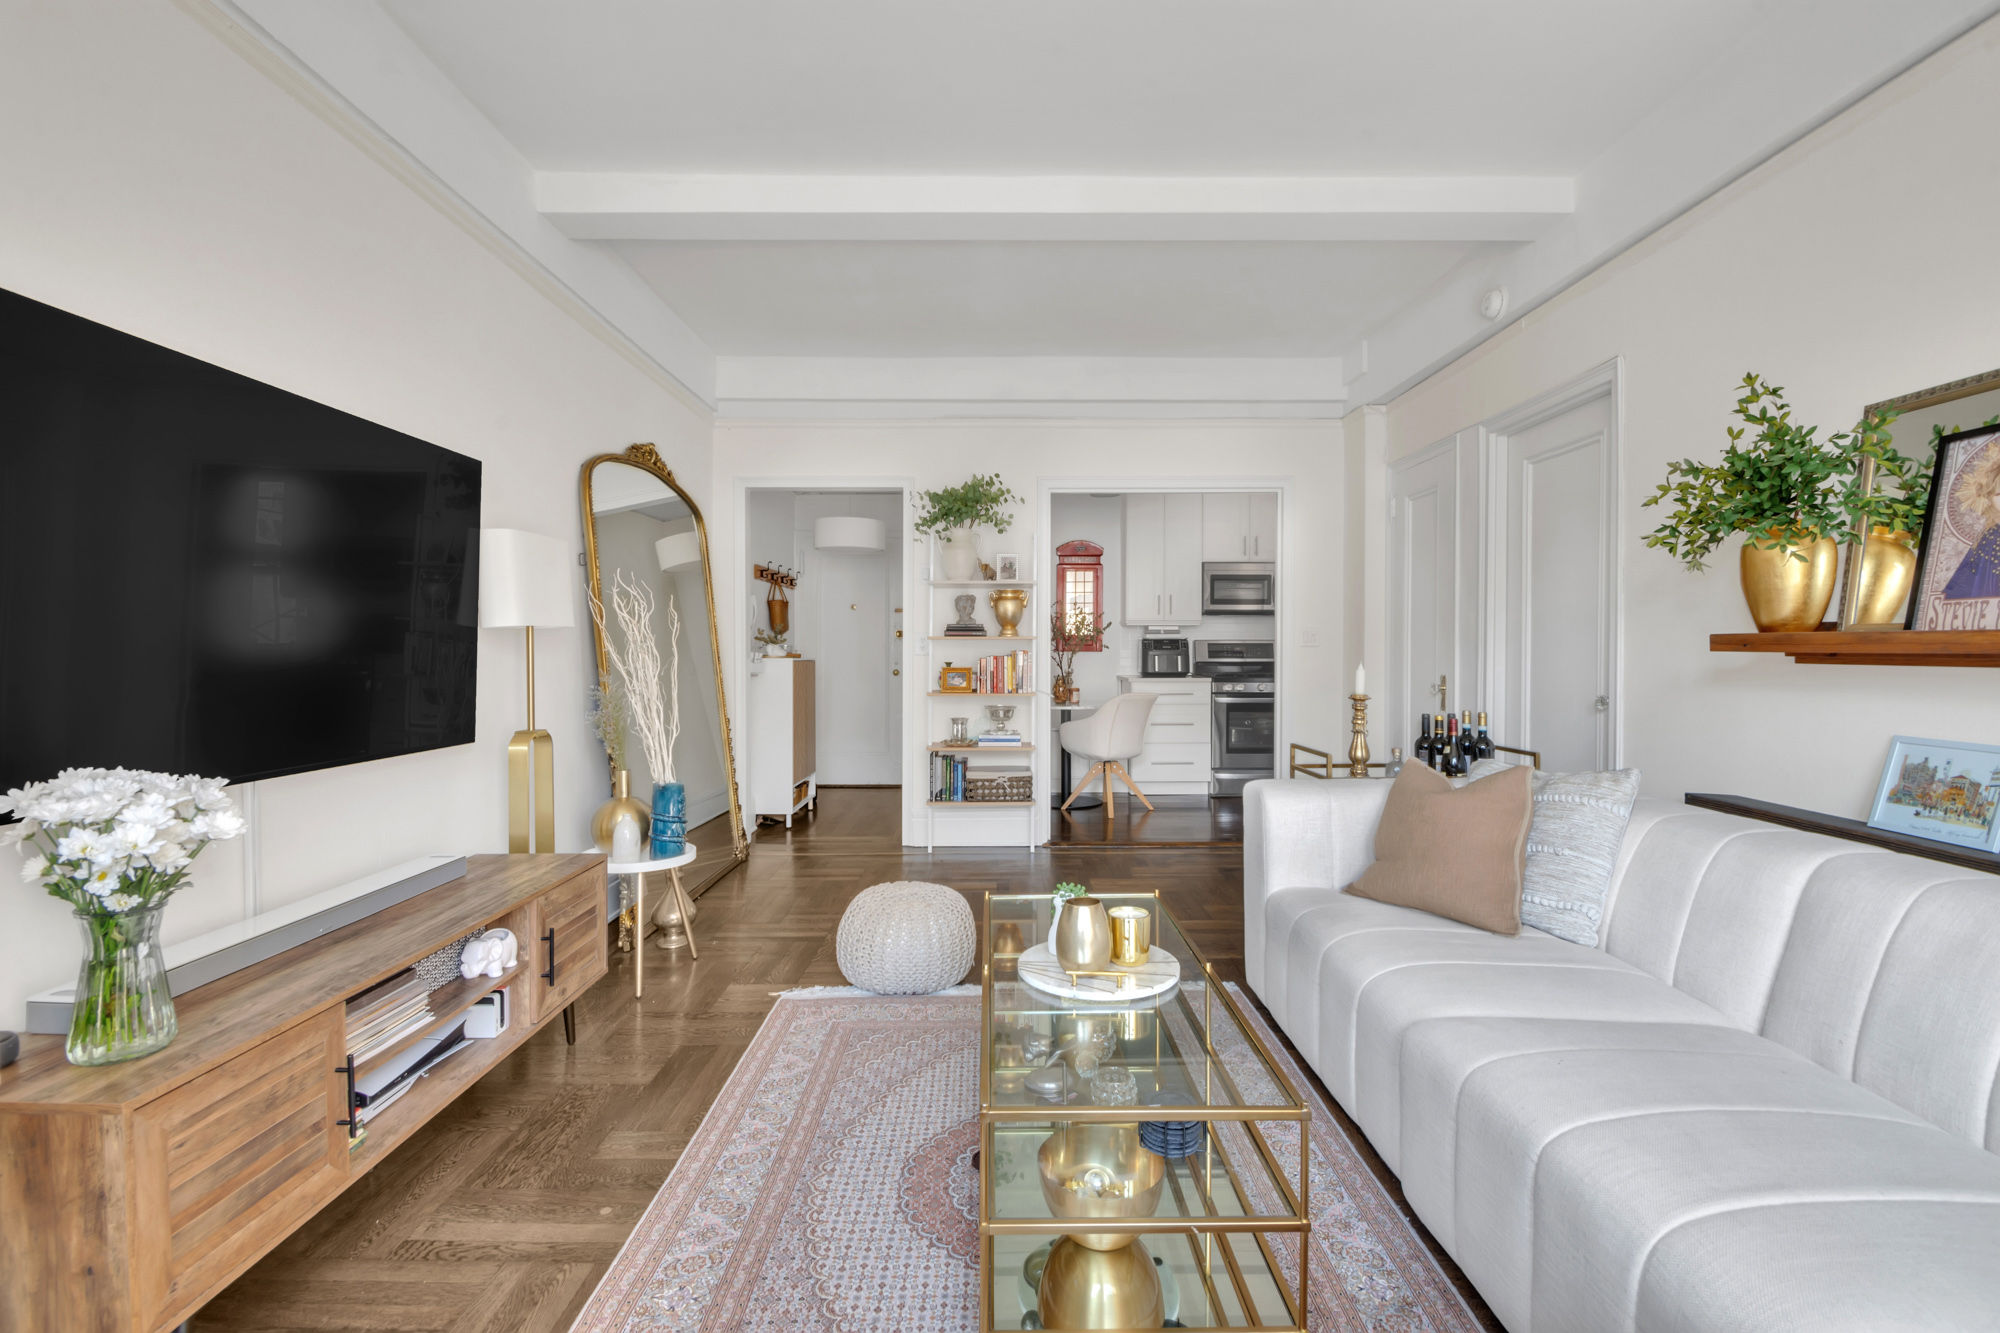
(1159, 973)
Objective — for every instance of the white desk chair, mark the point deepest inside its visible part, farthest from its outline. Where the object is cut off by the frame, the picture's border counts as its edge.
(1114, 733)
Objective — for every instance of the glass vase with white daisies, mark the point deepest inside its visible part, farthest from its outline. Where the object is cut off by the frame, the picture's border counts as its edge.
(115, 844)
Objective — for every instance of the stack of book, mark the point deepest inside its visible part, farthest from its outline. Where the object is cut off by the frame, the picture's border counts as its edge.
(1001, 740)
(1008, 674)
(957, 631)
(386, 1013)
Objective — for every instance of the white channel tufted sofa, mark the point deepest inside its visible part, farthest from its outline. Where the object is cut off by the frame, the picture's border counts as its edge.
(1767, 1102)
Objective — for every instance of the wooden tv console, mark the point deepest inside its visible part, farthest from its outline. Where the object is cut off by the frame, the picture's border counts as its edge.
(131, 1194)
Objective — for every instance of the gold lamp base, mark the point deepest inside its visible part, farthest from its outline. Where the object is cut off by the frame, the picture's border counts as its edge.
(1086, 1288)
(531, 749)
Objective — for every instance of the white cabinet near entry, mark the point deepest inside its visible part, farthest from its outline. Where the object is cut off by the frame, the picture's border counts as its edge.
(1163, 557)
(1239, 525)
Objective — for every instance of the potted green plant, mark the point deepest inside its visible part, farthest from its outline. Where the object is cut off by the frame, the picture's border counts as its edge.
(952, 513)
(1788, 492)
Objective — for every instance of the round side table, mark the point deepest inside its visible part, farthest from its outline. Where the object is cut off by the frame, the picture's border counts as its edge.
(638, 870)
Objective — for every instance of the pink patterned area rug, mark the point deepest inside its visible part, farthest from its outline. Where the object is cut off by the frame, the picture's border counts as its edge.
(831, 1190)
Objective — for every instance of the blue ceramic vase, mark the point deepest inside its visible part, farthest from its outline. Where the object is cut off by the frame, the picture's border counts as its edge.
(669, 820)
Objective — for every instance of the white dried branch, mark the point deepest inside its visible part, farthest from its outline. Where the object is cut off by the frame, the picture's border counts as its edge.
(637, 662)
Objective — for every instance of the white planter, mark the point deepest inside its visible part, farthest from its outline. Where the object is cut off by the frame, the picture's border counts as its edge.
(961, 556)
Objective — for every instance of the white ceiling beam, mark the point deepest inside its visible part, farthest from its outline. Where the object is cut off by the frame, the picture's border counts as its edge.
(635, 206)
(791, 386)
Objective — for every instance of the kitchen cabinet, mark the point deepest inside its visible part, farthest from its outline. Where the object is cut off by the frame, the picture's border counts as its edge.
(1162, 573)
(1239, 525)
(1178, 756)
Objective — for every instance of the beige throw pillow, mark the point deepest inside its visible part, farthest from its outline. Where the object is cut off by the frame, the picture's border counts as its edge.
(1458, 852)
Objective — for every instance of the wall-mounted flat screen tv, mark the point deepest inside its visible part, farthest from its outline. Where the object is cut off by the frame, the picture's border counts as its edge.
(200, 573)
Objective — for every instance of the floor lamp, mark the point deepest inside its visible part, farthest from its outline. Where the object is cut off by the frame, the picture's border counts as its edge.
(524, 583)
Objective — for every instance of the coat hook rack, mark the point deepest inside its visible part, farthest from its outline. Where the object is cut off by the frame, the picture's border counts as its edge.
(777, 576)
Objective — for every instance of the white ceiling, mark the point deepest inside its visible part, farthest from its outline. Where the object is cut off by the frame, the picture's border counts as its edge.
(990, 298)
(1145, 87)
(1276, 205)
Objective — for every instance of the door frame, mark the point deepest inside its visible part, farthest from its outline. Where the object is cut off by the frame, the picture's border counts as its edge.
(738, 580)
(1495, 436)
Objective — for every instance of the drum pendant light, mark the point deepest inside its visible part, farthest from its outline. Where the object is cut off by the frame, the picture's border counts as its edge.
(848, 536)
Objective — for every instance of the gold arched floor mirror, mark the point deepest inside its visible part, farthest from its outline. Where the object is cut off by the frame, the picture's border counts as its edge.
(639, 522)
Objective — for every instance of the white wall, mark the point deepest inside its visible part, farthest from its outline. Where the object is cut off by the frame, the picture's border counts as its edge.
(1858, 265)
(1303, 458)
(159, 184)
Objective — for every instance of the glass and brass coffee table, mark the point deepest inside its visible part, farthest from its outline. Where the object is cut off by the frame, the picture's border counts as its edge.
(1083, 1224)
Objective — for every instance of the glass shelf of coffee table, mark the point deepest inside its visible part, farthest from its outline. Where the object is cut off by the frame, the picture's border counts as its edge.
(1216, 1236)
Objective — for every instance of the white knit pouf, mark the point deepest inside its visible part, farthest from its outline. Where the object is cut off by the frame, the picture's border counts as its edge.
(906, 938)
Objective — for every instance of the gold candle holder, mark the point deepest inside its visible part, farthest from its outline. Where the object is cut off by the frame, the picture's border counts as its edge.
(1357, 749)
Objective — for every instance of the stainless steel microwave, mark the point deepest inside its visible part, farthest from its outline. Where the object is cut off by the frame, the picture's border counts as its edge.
(1239, 588)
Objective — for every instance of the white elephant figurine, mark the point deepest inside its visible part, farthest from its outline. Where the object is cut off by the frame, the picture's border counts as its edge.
(489, 953)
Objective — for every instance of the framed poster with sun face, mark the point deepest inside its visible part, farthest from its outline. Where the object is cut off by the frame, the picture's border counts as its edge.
(1958, 570)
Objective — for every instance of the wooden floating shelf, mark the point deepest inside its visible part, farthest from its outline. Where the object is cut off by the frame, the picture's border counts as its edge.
(981, 638)
(983, 805)
(995, 584)
(1822, 647)
(974, 694)
(1023, 748)
(1854, 830)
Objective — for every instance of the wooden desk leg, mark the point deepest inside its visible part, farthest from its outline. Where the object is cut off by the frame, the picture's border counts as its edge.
(569, 1023)
(638, 935)
(687, 912)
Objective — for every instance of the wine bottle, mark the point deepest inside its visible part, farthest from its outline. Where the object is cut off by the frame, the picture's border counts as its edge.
(1484, 742)
(1452, 766)
(1467, 747)
(1420, 749)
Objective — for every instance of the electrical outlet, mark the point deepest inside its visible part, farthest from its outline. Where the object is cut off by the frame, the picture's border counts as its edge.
(1308, 638)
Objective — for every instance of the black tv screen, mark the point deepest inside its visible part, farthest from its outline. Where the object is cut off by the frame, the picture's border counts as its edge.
(206, 574)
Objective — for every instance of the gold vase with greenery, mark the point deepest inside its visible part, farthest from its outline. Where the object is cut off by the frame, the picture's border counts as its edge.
(1792, 496)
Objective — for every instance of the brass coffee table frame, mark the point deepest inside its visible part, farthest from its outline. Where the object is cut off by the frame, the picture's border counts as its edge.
(1199, 1230)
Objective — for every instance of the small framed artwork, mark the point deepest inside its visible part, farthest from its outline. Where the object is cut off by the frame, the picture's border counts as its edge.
(956, 680)
(1943, 791)
(1009, 567)
(1958, 568)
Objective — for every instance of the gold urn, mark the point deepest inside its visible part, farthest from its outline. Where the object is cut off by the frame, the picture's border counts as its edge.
(605, 822)
(1888, 569)
(1786, 593)
(1009, 605)
(1133, 1174)
(1085, 1288)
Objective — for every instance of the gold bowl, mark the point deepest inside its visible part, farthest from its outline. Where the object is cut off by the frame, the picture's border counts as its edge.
(1086, 1288)
(1075, 1149)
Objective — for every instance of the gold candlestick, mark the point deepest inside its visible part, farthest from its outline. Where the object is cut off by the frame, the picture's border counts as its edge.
(1357, 749)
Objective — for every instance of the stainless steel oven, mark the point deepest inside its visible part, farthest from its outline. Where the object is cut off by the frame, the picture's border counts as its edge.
(1243, 741)
(1239, 588)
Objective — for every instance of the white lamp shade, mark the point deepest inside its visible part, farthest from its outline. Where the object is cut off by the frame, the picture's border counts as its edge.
(682, 550)
(524, 579)
(847, 536)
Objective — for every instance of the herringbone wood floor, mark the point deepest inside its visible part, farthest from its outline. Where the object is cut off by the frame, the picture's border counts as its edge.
(503, 1212)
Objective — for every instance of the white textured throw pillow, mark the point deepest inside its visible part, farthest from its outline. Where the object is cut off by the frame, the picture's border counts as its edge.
(1573, 846)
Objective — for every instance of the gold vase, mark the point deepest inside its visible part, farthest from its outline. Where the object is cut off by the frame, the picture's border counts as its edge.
(1086, 1288)
(1009, 605)
(1788, 594)
(1083, 936)
(1888, 569)
(605, 822)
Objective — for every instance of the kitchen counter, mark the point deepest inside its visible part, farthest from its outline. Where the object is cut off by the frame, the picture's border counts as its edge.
(1177, 760)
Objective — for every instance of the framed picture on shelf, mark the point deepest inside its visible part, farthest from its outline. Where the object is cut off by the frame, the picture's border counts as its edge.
(1942, 791)
(1958, 567)
(956, 680)
(1009, 567)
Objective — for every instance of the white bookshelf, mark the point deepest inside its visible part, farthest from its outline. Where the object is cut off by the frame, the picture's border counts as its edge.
(980, 823)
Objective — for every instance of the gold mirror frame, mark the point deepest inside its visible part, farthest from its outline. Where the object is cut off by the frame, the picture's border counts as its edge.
(647, 459)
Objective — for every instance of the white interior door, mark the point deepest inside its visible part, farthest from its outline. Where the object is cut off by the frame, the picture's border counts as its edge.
(1558, 587)
(1424, 544)
(860, 728)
